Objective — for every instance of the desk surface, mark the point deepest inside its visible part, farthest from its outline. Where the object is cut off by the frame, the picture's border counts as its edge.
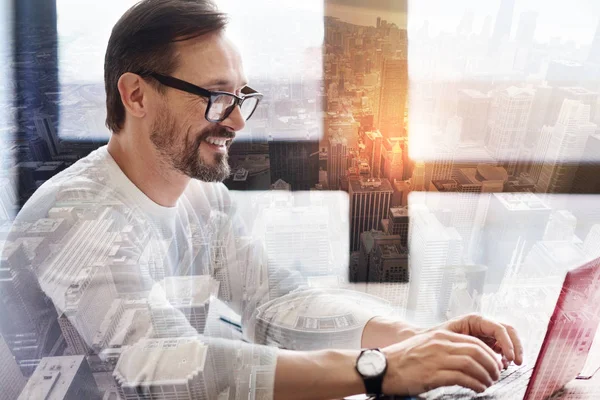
(578, 389)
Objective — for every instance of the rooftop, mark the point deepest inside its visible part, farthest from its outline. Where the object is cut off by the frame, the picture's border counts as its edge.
(521, 201)
(161, 361)
(369, 185)
(52, 378)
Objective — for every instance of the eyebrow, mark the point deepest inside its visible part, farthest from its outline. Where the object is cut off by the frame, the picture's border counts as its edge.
(223, 82)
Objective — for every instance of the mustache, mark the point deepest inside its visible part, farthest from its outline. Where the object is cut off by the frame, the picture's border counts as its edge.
(218, 132)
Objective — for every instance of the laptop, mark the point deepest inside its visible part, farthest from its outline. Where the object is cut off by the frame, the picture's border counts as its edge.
(571, 331)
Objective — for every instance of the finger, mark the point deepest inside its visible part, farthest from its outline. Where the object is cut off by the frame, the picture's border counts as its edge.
(517, 344)
(505, 362)
(459, 338)
(452, 377)
(468, 366)
(491, 364)
(479, 325)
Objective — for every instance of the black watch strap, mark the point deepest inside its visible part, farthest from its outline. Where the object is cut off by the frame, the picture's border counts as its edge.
(373, 386)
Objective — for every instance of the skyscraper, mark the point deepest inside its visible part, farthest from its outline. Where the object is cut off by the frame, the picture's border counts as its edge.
(181, 301)
(374, 148)
(370, 200)
(394, 90)
(429, 251)
(67, 377)
(566, 148)
(560, 94)
(514, 223)
(594, 56)
(526, 28)
(12, 381)
(473, 107)
(586, 179)
(508, 123)
(45, 129)
(397, 223)
(26, 317)
(503, 24)
(337, 160)
(181, 369)
(296, 162)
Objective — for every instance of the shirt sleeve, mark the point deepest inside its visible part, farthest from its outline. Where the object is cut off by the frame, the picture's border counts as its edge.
(276, 304)
(87, 263)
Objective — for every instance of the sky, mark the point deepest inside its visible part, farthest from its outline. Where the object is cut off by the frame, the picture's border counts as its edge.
(570, 20)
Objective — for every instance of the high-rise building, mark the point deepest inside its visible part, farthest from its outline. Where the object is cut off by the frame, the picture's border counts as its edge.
(561, 226)
(181, 369)
(374, 149)
(12, 381)
(337, 161)
(418, 178)
(26, 316)
(397, 223)
(526, 28)
(296, 162)
(370, 200)
(473, 107)
(385, 262)
(560, 94)
(45, 129)
(440, 166)
(394, 90)
(393, 167)
(594, 56)
(430, 253)
(514, 223)
(538, 116)
(87, 301)
(566, 148)
(296, 238)
(67, 377)
(539, 153)
(508, 123)
(378, 262)
(591, 245)
(503, 24)
(179, 302)
(586, 179)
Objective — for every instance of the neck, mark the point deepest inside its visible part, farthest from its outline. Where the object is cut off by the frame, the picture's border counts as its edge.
(142, 164)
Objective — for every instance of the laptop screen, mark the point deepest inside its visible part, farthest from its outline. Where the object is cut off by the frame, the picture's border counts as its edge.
(570, 333)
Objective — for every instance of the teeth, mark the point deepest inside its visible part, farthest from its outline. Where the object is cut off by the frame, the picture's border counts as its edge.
(217, 142)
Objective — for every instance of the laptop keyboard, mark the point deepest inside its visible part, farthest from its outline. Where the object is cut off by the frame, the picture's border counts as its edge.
(511, 385)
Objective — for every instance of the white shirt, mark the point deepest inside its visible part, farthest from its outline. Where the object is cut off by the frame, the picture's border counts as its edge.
(108, 249)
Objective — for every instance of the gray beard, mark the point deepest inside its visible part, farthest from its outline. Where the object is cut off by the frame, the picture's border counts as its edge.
(188, 160)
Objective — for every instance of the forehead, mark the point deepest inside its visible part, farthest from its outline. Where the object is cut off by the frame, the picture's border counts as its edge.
(208, 59)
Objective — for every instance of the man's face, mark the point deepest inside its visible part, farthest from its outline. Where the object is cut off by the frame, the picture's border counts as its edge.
(183, 137)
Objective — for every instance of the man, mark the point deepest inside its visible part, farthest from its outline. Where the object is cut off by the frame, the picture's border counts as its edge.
(176, 96)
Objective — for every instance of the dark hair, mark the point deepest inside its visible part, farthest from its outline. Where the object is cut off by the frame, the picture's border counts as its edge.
(142, 40)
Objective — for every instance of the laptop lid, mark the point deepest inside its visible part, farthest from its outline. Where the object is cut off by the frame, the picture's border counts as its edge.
(570, 333)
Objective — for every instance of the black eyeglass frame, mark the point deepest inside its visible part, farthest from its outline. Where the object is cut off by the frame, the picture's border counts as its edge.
(187, 87)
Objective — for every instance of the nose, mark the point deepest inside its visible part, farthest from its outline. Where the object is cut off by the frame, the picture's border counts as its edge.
(235, 121)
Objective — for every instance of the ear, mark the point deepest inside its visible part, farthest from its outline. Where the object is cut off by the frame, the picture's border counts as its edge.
(133, 92)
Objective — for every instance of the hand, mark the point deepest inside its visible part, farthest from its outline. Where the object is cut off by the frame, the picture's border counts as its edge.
(501, 338)
(439, 358)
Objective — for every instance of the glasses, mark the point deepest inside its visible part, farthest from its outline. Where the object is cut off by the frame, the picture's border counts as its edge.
(220, 104)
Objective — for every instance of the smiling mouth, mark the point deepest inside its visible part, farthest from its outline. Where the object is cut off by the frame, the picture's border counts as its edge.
(218, 143)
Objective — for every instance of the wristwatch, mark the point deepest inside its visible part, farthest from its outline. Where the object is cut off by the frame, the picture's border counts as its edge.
(371, 365)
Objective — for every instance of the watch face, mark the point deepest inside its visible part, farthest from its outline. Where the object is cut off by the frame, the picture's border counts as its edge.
(371, 363)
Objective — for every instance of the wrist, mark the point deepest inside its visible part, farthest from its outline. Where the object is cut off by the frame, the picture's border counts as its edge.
(383, 332)
(325, 374)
